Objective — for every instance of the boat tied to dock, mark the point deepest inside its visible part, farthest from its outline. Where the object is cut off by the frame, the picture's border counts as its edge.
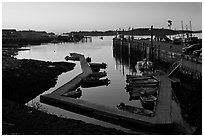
(135, 110)
(100, 65)
(74, 93)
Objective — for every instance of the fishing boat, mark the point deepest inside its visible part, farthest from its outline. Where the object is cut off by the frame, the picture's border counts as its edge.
(98, 74)
(148, 101)
(135, 110)
(74, 93)
(100, 65)
(86, 83)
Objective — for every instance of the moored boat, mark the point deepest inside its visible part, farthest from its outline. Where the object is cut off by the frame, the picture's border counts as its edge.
(74, 93)
(133, 76)
(129, 86)
(135, 93)
(100, 65)
(72, 58)
(95, 69)
(144, 65)
(88, 59)
(86, 83)
(129, 79)
(146, 81)
(98, 74)
(135, 110)
(148, 101)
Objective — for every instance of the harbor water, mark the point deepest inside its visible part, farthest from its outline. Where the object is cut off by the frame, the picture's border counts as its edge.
(99, 51)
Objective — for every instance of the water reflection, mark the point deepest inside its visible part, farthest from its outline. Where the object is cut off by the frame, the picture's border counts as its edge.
(119, 63)
(99, 51)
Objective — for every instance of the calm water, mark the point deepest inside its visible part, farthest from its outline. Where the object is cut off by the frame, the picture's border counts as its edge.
(99, 51)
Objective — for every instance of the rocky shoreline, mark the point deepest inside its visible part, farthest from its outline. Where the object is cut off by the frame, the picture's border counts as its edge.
(23, 80)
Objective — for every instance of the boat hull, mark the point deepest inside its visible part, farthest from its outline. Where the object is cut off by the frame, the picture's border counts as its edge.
(95, 83)
(148, 102)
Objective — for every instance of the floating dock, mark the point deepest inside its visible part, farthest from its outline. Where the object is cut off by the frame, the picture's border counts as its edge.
(162, 112)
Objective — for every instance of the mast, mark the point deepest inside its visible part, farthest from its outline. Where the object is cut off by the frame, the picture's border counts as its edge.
(187, 31)
(182, 29)
(190, 29)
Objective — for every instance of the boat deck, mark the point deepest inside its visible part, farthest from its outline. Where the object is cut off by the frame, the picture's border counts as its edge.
(162, 113)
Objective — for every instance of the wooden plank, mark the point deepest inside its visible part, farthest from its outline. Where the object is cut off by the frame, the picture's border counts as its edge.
(98, 109)
(163, 110)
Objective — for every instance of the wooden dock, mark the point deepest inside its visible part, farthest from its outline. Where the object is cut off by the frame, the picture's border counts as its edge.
(163, 109)
(75, 82)
(162, 112)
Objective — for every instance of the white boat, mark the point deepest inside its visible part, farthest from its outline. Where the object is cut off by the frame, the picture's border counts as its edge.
(144, 65)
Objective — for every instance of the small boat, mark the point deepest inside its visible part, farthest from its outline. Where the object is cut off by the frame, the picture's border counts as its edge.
(145, 91)
(133, 76)
(147, 81)
(135, 93)
(74, 93)
(88, 59)
(98, 74)
(129, 86)
(144, 65)
(95, 69)
(90, 78)
(137, 78)
(148, 101)
(100, 65)
(135, 110)
(101, 38)
(95, 83)
(72, 58)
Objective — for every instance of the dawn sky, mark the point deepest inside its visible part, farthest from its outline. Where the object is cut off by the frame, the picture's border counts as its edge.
(68, 16)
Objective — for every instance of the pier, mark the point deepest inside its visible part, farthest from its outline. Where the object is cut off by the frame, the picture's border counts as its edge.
(162, 112)
(161, 51)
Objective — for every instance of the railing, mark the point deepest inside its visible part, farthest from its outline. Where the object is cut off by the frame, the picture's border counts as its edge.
(174, 67)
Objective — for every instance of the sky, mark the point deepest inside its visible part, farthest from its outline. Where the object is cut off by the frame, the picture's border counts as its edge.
(59, 17)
